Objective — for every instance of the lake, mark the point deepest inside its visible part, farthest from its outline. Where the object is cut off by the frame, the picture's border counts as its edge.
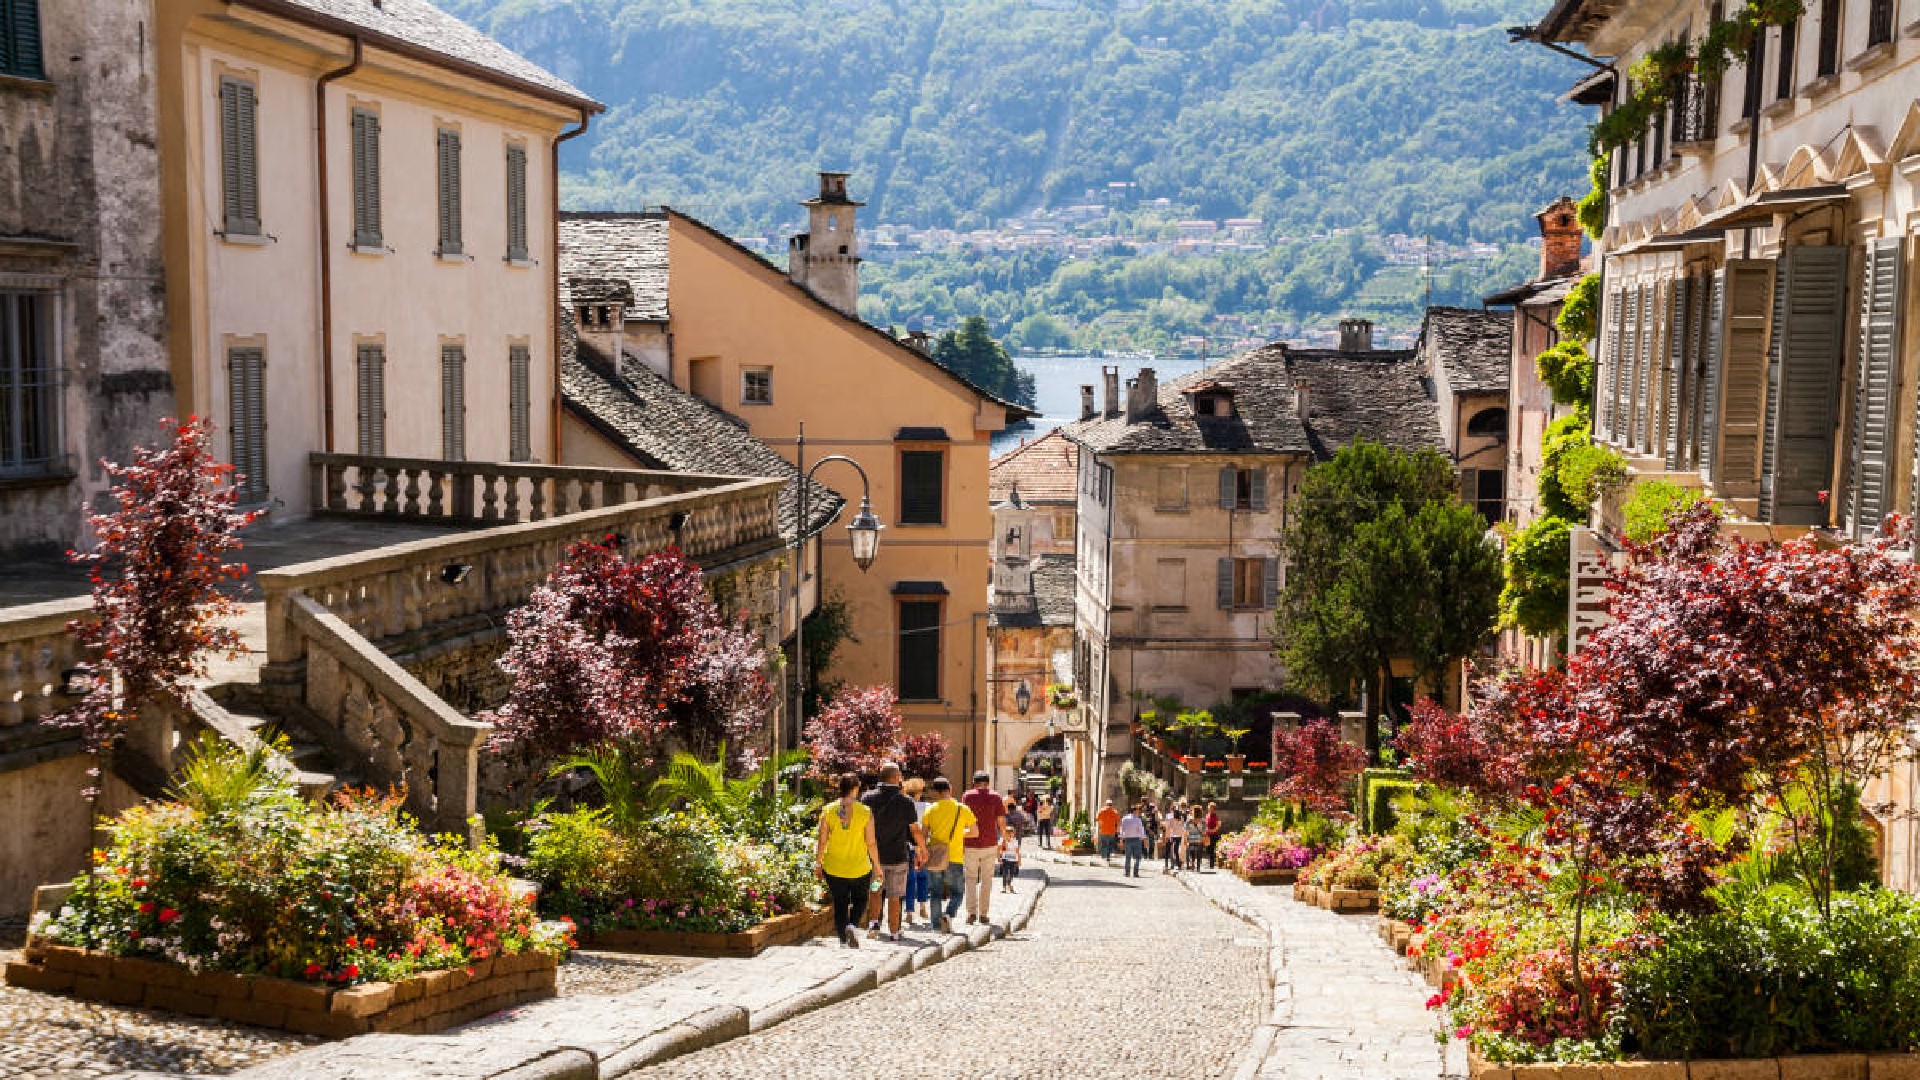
(1057, 381)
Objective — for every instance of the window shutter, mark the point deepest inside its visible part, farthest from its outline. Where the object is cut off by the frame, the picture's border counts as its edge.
(1229, 487)
(1469, 485)
(1678, 336)
(246, 421)
(1740, 345)
(919, 656)
(1269, 583)
(20, 39)
(1709, 434)
(1259, 500)
(520, 402)
(1870, 486)
(1612, 352)
(921, 479)
(1223, 584)
(372, 371)
(1810, 352)
(449, 191)
(239, 165)
(1698, 389)
(517, 203)
(453, 402)
(366, 179)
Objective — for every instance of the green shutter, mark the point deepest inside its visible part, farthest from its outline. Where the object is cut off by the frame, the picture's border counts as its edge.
(1223, 584)
(20, 39)
(1270, 583)
(453, 402)
(239, 164)
(517, 203)
(520, 402)
(919, 656)
(1229, 487)
(1870, 483)
(447, 155)
(1809, 355)
(1741, 347)
(922, 476)
(247, 421)
(371, 369)
(366, 179)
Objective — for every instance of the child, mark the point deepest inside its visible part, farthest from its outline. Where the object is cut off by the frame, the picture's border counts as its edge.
(1009, 860)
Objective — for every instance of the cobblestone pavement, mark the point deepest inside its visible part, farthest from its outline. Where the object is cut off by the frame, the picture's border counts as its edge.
(598, 973)
(1115, 977)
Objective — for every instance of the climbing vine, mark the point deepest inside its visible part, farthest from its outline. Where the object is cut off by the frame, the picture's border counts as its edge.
(1657, 77)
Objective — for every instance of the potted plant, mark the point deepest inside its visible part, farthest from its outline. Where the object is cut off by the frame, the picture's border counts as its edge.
(1197, 723)
(1142, 721)
(1236, 761)
(1061, 696)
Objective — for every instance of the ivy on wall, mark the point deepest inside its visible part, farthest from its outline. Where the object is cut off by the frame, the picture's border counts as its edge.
(1656, 78)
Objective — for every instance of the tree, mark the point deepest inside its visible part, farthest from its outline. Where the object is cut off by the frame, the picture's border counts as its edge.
(157, 568)
(972, 352)
(1316, 767)
(1539, 558)
(857, 733)
(922, 755)
(1385, 563)
(1447, 749)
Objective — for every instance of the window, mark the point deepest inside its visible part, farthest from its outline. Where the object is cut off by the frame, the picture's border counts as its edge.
(247, 421)
(29, 385)
(1170, 489)
(1831, 14)
(519, 403)
(1784, 77)
(1063, 525)
(1248, 584)
(453, 402)
(1486, 491)
(370, 362)
(1243, 489)
(366, 179)
(447, 156)
(20, 39)
(919, 650)
(1488, 424)
(1170, 583)
(922, 487)
(756, 386)
(239, 162)
(517, 204)
(1756, 75)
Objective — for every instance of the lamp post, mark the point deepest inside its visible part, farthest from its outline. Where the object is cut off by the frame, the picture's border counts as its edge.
(863, 533)
(1022, 700)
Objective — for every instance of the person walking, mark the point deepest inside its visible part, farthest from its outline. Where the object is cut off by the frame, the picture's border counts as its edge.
(1175, 824)
(1133, 834)
(1009, 861)
(1150, 819)
(845, 857)
(1018, 821)
(918, 880)
(896, 828)
(1043, 822)
(1107, 831)
(1212, 824)
(982, 849)
(947, 823)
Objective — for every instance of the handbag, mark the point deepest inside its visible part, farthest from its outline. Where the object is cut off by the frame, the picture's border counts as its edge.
(939, 854)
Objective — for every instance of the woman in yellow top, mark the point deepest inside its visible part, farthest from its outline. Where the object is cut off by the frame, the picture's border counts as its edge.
(847, 855)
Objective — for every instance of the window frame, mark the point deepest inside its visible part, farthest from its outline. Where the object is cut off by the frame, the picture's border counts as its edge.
(370, 396)
(255, 486)
(453, 401)
(369, 234)
(449, 191)
(748, 375)
(1249, 568)
(519, 402)
(47, 383)
(516, 197)
(902, 454)
(900, 632)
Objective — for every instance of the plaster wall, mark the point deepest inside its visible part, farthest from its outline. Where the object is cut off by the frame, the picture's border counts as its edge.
(49, 832)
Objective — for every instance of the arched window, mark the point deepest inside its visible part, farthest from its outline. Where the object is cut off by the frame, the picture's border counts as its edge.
(1488, 424)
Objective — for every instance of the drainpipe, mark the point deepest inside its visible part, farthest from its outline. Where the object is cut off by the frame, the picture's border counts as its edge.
(553, 188)
(326, 240)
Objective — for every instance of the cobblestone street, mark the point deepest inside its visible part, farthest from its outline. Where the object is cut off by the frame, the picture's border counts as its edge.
(1116, 977)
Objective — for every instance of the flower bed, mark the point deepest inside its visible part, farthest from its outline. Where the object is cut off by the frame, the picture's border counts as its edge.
(779, 930)
(1798, 1067)
(1265, 854)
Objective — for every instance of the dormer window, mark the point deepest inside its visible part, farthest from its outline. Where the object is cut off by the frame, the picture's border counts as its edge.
(1217, 404)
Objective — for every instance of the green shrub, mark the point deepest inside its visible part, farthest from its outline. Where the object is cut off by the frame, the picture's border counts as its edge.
(1579, 318)
(1648, 507)
(1568, 372)
(1573, 469)
(1538, 561)
(1593, 205)
(1371, 801)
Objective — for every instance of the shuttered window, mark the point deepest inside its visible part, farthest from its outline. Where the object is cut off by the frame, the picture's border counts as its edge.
(1745, 289)
(1870, 483)
(453, 402)
(1678, 336)
(517, 203)
(247, 421)
(519, 403)
(1806, 361)
(1243, 489)
(1697, 389)
(922, 487)
(20, 39)
(239, 161)
(370, 370)
(919, 650)
(1831, 15)
(1247, 584)
(447, 162)
(29, 385)
(1610, 352)
(366, 179)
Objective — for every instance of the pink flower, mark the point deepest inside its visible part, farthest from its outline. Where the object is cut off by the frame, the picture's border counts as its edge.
(1463, 1031)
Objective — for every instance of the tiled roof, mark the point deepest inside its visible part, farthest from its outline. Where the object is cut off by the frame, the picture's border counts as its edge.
(627, 247)
(667, 428)
(1474, 348)
(418, 25)
(1377, 393)
(1044, 470)
(600, 290)
(1050, 601)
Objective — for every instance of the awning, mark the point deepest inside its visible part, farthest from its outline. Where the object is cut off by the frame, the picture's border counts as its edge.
(1760, 211)
(1675, 241)
(1595, 89)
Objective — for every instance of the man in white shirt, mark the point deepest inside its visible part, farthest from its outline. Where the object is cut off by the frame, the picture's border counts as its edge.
(1133, 839)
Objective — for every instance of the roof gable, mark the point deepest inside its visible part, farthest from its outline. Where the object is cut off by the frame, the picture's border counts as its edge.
(1043, 470)
(1473, 349)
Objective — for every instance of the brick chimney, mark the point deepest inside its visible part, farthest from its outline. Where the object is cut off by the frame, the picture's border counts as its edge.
(1560, 239)
(1143, 395)
(826, 258)
(1111, 376)
(1356, 335)
(1087, 411)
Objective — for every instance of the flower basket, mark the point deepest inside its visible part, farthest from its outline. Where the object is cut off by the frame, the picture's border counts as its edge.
(786, 929)
(427, 1002)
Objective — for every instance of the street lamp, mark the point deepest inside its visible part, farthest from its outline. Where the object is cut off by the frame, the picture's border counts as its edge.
(863, 534)
(1022, 697)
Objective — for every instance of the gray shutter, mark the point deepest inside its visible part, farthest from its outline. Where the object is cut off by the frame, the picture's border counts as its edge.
(1678, 336)
(1870, 483)
(20, 39)
(1811, 352)
(520, 402)
(372, 413)
(1259, 486)
(366, 179)
(517, 203)
(1699, 386)
(247, 421)
(1615, 354)
(1469, 485)
(1223, 584)
(1777, 322)
(1643, 351)
(453, 402)
(1269, 583)
(1740, 346)
(447, 153)
(1228, 487)
(239, 164)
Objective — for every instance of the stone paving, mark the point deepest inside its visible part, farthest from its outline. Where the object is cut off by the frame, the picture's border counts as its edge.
(1115, 978)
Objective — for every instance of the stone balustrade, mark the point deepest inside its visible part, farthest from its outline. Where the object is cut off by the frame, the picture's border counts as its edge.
(35, 652)
(481, 492)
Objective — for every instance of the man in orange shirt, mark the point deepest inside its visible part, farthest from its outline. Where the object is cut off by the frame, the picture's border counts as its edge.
(1107, 830)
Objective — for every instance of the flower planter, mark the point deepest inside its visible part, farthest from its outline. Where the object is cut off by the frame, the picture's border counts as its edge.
(1348, 901)
(1266, 877)
(1192, 762)
(427, 1002)
(779, 930)
(1802, 1067)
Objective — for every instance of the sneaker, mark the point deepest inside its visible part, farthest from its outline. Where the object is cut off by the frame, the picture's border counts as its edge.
(873, 932)
(946, 924)
(847, 940)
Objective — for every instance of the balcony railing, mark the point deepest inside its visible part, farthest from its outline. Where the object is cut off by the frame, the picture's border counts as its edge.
(35, 653)
(481, 492)
(1696, 115)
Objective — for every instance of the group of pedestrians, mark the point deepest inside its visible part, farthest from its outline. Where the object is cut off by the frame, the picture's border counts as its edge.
(1182, 834)
(887, 854)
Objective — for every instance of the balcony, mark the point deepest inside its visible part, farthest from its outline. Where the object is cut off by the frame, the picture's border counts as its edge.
(1696, 118)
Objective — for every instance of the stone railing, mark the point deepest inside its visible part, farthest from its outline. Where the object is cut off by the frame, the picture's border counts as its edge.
(35, 653)
(483, 492)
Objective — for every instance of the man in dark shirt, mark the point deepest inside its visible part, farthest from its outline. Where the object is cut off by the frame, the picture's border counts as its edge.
(896, 832)
(983, 848)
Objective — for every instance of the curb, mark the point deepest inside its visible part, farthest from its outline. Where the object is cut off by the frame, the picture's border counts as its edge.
(1253, 1054)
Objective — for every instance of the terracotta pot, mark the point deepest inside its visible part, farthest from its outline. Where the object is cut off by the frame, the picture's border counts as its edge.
(1236, 762)
(1193, 762)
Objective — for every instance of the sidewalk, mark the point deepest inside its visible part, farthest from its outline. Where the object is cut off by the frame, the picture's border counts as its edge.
(592, 1038)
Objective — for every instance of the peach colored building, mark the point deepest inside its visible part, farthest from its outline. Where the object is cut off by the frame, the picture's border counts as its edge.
(358, 202)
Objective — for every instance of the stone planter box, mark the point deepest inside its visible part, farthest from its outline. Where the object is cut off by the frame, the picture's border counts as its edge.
(1807, 1067)
(428, 1002)
(779, 930)
(1265, 877)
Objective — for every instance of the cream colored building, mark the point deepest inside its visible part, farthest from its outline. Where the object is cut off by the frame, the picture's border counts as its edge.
(1030, 623)
(358, 202)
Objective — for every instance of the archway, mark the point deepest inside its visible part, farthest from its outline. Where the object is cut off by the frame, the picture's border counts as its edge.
(1045, 757)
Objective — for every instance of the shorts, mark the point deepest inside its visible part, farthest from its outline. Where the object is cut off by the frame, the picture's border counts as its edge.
(893, 879)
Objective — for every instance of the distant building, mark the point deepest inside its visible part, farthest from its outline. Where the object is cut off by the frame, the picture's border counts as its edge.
(1465, 356)
(1030, 617)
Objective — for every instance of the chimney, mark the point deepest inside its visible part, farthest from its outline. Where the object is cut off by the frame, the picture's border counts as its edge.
(1302, 401)
(1086, 401)
(826, 258)
(1143, 394)
(1111, 376)
(1356, 335)
(1560, 239)
(921, 340)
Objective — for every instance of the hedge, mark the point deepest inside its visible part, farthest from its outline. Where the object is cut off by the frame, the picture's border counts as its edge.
(1378, 789)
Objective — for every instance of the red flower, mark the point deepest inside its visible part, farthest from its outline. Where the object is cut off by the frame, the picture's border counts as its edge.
(353, 971)
(167, 915)
(314, 970)
(146, 907)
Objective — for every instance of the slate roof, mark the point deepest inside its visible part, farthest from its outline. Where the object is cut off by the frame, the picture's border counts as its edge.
(1378, 394)
(1473, 347)
(1044, 470)
(667, 428)
(600, 290)
(419, 26)
(625, 247)
(1050, 602)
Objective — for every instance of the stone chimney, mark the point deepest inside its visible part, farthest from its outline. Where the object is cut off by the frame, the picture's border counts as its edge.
(600, 316)
(826, 258)
(1143, 395)
(1560, 239)
(1087, 411)
(1356, 335)
(1111, 376)
(1302, 401)
(921, 340)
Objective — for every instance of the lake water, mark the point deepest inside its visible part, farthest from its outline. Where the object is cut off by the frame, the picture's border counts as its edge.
(1057, 381)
